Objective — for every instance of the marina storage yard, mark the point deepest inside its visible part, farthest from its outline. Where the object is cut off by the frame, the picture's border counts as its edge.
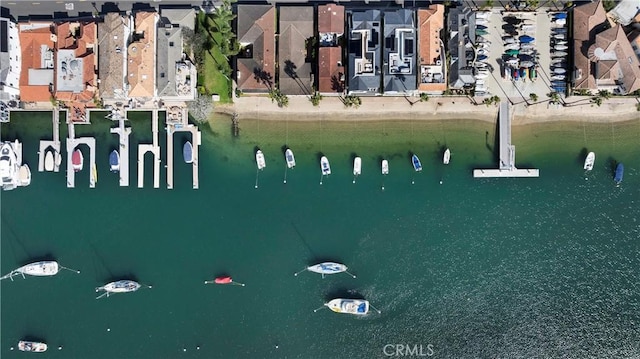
(375, 158)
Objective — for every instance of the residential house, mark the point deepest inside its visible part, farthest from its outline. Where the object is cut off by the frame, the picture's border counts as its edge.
(176, 76)
(256, 62)
(295, 50)
(112, 50)
(75, 80)
(10, 62)
(460, 71)
(141, 60)
(431, 50)
(364, 71)
(37, 42)
(331, 70)
(400, 75)
(624, 12)
(588, 20)
(616, 66)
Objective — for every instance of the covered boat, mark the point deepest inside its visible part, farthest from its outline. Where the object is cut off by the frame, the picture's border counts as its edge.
(385, 167)
(619, 173)
(589, 161)
(291, 160)
(24, 175)
(357, 166)
(121, 286)
(187, 152)
(446, 157)
(416, 163)
(48, 161)
(29, 346)
(525, 39)
(324, 166)
(349, 306)
(260, 161)
(77, 160)
(114, 161)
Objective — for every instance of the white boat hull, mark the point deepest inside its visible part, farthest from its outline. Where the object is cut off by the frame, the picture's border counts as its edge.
(589, 161)
(325, 167)
(48, 161)
(40, 269)
(260, 161)
(25, 175)
(446, 157)
(385, 167)
(349, 306)
(121, 286)
(357, 166)
(29, 346)
(327, 268)
(289, 157)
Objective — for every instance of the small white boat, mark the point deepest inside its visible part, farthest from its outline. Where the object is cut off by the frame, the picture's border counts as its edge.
(349, 306)
(187, 152)
(24, 175)
(29, 346)
(514, 46)
(37, 269)
(558, 77)
(560, 47)
(291, 160)
(357, 166)
(48, 161)
(446, 157)
(114, 161)
(326, 268)
(8, 167)
(589, 161)
(481, 75)
(121, 286)
(324, 166)
(385, 167)
(77, 160)
(260, 160)
(559, 70)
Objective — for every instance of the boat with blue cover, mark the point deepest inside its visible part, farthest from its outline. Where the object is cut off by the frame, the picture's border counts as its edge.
(187, 152)
(416, 163)
(619, 173)
(349, 306)
(114, 161)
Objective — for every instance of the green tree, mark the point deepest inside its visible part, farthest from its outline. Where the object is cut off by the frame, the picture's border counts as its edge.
(533, 97)
(315, 98)
(424, 97)
(597, 101)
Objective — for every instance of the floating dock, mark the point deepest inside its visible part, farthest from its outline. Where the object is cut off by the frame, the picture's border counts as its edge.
(196, 140)
(123, 150)
(72, 143)
(54, 144)
(154, 148)
(507, 166)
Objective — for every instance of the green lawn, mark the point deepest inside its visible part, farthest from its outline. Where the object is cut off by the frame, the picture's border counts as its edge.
(209, 76)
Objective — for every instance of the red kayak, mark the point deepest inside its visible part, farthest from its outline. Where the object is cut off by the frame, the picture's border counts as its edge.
(223, 280)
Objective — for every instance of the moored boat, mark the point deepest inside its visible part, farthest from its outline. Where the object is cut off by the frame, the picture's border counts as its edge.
(327, 268)
(24, 175)
(619, 173)
(560, 47)
(223, 280)
(8, 167)
(357, 166)
(77, 160)
(37, 269)
(187, 152)
(114, 161)
(589, 161)
(349, 306)
(446, 157)
(416, 163)
(385, 167)
(120, 286)
(291, 160)
(48, 161)
(29, 346)
(260, 161)
(325, 166)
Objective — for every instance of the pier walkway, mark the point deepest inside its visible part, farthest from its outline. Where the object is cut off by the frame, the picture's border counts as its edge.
(123, 150)
(181, 124)
(154, 148)
(72, 143)
(55, 145)
(507, 167)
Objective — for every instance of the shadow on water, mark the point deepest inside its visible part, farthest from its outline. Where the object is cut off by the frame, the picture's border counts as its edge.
(40, 258)
(352, 157)
(122, 276)
(303, 240)
(496, 143)
(343, 293)
(284, 148)
(582, 155)
(319, 156)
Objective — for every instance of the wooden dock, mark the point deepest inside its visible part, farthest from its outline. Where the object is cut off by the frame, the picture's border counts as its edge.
(123, 150)
(154, 148)
(507, 155)
(196, 141)
(54, 144)
(72, 143)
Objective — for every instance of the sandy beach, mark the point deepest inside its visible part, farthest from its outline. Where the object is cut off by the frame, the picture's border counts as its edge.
(437, 108)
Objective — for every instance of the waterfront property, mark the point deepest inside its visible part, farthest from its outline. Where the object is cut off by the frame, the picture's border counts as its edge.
(256, 62)
(399, 52)
(431, 50)
(10, 64)
(460, 70)
(295, 49)
(36, 76)
(331, 69)
(141, 60)
(113, 33)
(364, 51)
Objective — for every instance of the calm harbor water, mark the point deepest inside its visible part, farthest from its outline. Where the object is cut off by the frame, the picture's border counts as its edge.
(505, 268)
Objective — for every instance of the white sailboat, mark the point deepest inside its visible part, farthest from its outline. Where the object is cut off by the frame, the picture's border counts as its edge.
(326, 268)
(446, 157)
(37, 269)
(349, 306)
(48, 161)
(589, 161)
(291, 160)
(385, 167)
(120, 286)
(260, 160)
